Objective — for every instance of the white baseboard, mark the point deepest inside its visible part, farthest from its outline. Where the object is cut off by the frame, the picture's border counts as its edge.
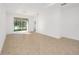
(58, 37)
(55, 36)
(71, 37)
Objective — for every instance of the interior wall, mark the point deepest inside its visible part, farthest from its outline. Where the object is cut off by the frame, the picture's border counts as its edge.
(2, 26)
(70, 21)
(10, 22)
(48, 22)
(59, 21)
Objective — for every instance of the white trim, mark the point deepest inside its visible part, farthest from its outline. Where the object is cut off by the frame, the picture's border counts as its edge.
(55, 36)
(75, 38)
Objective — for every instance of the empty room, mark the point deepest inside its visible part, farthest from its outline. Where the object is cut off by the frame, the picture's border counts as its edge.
(39, 28)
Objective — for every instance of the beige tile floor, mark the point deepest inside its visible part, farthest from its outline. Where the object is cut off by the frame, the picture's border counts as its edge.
(38, 44)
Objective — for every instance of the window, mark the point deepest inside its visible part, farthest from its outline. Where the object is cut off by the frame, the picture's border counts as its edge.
(20, 24)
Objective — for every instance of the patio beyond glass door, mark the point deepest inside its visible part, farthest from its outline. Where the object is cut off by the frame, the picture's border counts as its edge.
(20, 24)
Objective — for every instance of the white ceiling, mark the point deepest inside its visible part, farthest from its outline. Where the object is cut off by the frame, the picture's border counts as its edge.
(27, 8)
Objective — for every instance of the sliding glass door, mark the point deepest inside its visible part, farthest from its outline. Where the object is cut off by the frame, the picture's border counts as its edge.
(20, 24)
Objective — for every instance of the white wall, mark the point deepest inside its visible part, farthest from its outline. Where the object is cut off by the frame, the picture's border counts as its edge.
(49, 21)
(59, 21)
(70, 21)
(10, 21)
(2, 26)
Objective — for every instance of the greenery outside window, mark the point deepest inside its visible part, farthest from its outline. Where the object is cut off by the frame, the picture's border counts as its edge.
(20, 24)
